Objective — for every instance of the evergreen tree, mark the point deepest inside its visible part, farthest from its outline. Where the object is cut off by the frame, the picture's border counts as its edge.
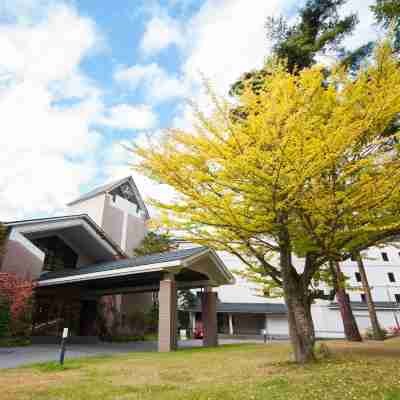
(155, 242)
(387, 14)
(318, 29)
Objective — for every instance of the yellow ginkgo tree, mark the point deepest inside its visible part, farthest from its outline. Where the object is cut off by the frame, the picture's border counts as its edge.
(306, 170)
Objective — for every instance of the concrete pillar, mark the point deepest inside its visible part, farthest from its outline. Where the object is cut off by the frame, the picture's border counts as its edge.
(230, 316)
(167, 320)
(209, 317)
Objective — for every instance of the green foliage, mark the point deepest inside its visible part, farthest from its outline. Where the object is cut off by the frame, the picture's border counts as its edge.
(186, 298)
(369, 333)
(5, 317)
(3, 237)
(155, 242)
(387, 13)
(318, 29)
(22, 326)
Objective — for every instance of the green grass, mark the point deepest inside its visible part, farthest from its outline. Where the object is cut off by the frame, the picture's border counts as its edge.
(369, 370)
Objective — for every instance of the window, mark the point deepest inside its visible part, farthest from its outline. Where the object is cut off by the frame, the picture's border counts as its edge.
(391, 277)
(385, 257)
(397, 297)
(363, 298)
(58, 255)
(358, 276)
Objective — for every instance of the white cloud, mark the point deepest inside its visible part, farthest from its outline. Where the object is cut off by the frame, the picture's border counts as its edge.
(126, 116)
(47, 107)
(227, 39)
(365, 30)
(158, 84)
(161, 32)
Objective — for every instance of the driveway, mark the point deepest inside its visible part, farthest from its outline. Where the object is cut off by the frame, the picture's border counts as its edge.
(18, 356)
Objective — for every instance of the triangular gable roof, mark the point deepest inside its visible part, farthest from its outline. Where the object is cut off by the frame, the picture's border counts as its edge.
(110, 187)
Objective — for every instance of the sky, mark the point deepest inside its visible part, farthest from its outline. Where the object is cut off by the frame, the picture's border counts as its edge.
(81, 79)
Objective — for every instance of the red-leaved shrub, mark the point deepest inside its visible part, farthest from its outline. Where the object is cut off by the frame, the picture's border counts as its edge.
(395, 330)
(18, 293)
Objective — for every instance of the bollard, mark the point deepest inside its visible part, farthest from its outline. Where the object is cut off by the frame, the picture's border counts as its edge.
(264, 333)
(63, 345)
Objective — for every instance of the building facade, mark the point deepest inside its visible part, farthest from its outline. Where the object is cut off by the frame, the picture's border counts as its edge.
(82, 260)
(383, 271)
(109, 222)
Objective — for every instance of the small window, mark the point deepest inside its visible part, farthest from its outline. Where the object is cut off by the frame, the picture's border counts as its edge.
(391, 277)
(363, 298)
(397, 297)
(358, 276)
(385, 257)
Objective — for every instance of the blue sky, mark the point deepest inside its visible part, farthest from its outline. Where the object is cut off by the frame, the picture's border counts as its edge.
(80, 78)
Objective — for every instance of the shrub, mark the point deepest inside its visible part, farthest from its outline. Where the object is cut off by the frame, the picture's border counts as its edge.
(17, 296)
(136, 323)
(369, 334)
(394, 330)
(5, 317)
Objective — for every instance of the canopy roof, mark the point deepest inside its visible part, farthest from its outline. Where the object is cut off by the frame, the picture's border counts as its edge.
(195, 267)
(79, 230)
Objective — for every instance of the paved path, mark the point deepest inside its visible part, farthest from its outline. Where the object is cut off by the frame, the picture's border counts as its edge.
(17, 356)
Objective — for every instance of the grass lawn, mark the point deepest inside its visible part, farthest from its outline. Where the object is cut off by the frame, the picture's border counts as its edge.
(352, 371)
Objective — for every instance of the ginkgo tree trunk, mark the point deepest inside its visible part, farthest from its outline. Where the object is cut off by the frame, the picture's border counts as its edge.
(274, 189)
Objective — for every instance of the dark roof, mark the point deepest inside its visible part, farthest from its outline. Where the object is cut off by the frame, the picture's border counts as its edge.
(131, 262)
(247, 308)
(358, 305)
(84, 217)
(109, 187)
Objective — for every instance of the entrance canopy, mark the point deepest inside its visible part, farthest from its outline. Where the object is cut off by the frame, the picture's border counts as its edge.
(193, 268)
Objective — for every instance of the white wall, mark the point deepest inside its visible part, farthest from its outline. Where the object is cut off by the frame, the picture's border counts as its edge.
(327, 321)
(93, 207)
(22, 257)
